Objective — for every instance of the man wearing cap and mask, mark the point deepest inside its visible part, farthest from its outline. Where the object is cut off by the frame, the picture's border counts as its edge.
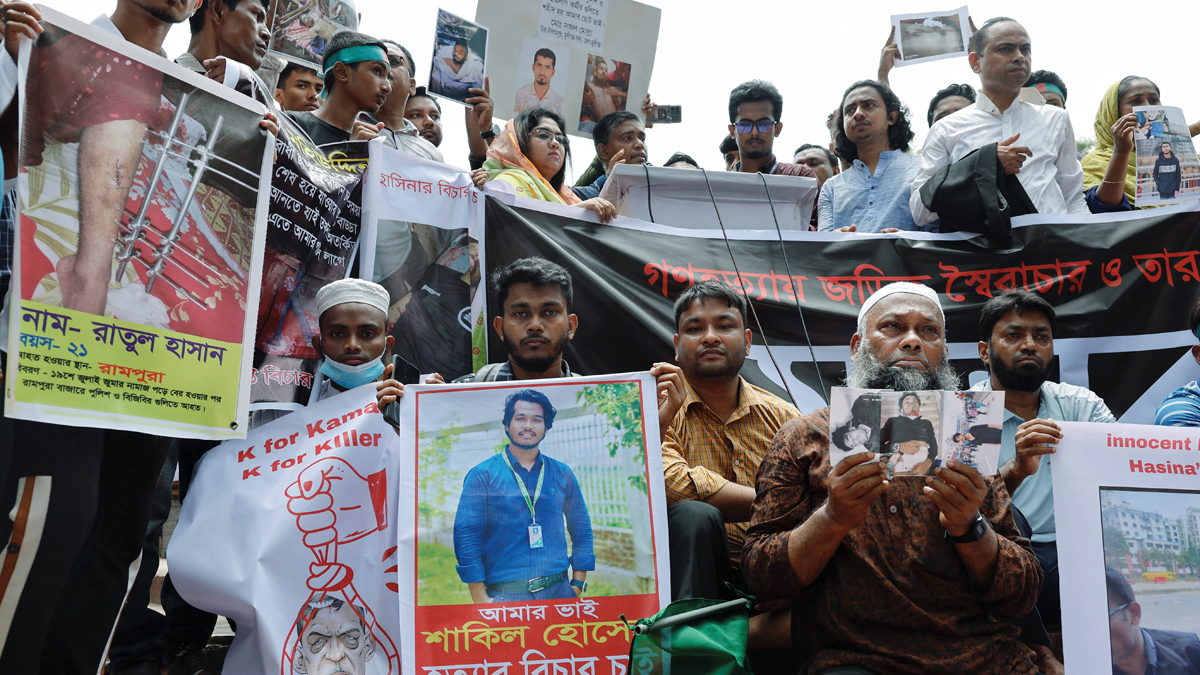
(900, 576)
(358, 79)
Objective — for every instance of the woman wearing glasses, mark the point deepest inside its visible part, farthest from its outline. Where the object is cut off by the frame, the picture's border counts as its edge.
(532, 154)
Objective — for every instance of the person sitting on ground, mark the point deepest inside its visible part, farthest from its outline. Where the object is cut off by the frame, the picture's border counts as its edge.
(1181, 408)
(730, 153)
(1050, 86)
(948, 101)
(620, 138)
(873, 134)
(818, 158)
(532, 155)
(907, 576)
(681, 160)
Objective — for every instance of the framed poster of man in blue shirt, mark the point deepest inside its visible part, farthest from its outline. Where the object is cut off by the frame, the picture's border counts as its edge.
(538, 516)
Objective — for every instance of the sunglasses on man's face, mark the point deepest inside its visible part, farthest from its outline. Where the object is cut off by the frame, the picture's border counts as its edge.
(545, 137)
(746, 126)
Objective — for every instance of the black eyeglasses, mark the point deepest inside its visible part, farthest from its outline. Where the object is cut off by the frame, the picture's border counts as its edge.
(546, 137)
(764, 126)
(1110, 614)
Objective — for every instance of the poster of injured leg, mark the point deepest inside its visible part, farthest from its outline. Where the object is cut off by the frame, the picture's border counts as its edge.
(300, 29)
(536, 511)
(580, 58)
(422, 245)
(307, 567)
(313, 230)
(1127, 508)
(142, 191)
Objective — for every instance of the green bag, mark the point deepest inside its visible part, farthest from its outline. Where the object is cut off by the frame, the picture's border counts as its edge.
(692, 637)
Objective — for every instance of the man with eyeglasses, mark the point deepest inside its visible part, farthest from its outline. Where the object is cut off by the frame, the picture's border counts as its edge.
(755, 108)
(1137, 650)
(398, 132)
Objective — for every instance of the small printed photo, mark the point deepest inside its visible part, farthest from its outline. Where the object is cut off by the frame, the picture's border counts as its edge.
(909, 437)
(930, 36)
(605, 90)
(539, 86)
(302, 28)
(853, 422)
(459, 53)
(973, 421)
(1168, 171)
(521, 489)
(1152, 572)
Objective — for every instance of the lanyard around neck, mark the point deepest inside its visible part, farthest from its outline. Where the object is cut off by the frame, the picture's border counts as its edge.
(537, 491)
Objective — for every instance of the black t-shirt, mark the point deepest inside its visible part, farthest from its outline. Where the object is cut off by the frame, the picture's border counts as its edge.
(320, 131)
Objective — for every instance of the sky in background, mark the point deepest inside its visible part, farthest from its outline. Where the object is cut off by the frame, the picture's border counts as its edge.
(812, 51)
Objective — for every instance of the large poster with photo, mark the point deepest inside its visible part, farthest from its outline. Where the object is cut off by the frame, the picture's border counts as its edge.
(142, 191)
(1123, 287)
(1168, 171)
(512, 491)
(580, 58)
(422, 223)
(307, 567)
(313, 231)
(300, 29)
(1127, 505)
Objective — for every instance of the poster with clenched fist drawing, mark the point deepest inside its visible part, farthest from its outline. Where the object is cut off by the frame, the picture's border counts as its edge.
(291, 533)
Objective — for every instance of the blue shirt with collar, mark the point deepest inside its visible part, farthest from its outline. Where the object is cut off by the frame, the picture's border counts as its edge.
(1062, 403)
(491, 526)
(586, 192)
(869, 201)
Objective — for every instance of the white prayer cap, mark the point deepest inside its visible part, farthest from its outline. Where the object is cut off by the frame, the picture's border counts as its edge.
(352, 290)
(898, 287)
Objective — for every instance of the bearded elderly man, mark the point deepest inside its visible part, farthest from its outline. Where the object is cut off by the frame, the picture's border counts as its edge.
(900, 576)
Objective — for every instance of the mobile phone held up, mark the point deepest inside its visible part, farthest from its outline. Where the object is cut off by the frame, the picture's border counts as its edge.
(405, 373)
(667, 114)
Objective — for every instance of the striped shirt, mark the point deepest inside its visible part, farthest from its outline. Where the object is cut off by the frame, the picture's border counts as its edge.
(1181, 408)
(701, 453)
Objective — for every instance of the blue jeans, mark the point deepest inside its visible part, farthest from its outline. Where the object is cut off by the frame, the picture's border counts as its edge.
(559, 591)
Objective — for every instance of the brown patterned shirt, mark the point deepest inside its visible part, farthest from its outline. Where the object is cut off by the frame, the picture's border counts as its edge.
(895, 597)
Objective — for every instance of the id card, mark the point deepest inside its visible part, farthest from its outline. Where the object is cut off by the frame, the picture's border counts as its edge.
(535, 536)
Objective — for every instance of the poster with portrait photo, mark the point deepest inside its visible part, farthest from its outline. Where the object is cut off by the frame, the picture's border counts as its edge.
(605, 90)
(626, 30)
(1127, 508)
(1168, 171)
(931, 36)
(909, 431)
(545, 83)
(300, 29)
(972, 425)
(459, 57)
(520, 493)
(142, 189)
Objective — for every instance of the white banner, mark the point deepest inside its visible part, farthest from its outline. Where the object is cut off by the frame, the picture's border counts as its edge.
(291, 534)
(423, 220)
(601, 515)
(1127, 503)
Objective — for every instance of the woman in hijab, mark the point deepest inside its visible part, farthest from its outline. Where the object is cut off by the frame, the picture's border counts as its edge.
(532, 154)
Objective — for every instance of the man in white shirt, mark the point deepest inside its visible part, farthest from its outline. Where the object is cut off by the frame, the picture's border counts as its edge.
(1035, 142)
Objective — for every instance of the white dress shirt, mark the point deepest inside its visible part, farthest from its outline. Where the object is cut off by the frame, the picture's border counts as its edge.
(1052, 176)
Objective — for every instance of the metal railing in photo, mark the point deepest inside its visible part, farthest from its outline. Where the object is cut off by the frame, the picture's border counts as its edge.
(138, 228)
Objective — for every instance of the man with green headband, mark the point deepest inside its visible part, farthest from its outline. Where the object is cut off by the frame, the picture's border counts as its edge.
(357, 79)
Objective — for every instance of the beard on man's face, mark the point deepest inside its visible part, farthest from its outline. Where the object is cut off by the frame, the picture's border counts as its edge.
(1025, 377)
(870, 372)
(536, 364)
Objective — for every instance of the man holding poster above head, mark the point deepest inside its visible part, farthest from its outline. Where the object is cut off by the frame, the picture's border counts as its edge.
(510, 534)
(1034, 142)
(1016, 342)
(903, 576)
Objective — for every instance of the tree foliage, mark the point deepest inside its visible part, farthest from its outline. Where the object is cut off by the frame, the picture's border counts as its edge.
(621, 405)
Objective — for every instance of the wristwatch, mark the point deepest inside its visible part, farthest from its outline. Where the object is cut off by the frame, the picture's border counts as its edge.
(973, 534)
(581, 585)
(489, 134)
